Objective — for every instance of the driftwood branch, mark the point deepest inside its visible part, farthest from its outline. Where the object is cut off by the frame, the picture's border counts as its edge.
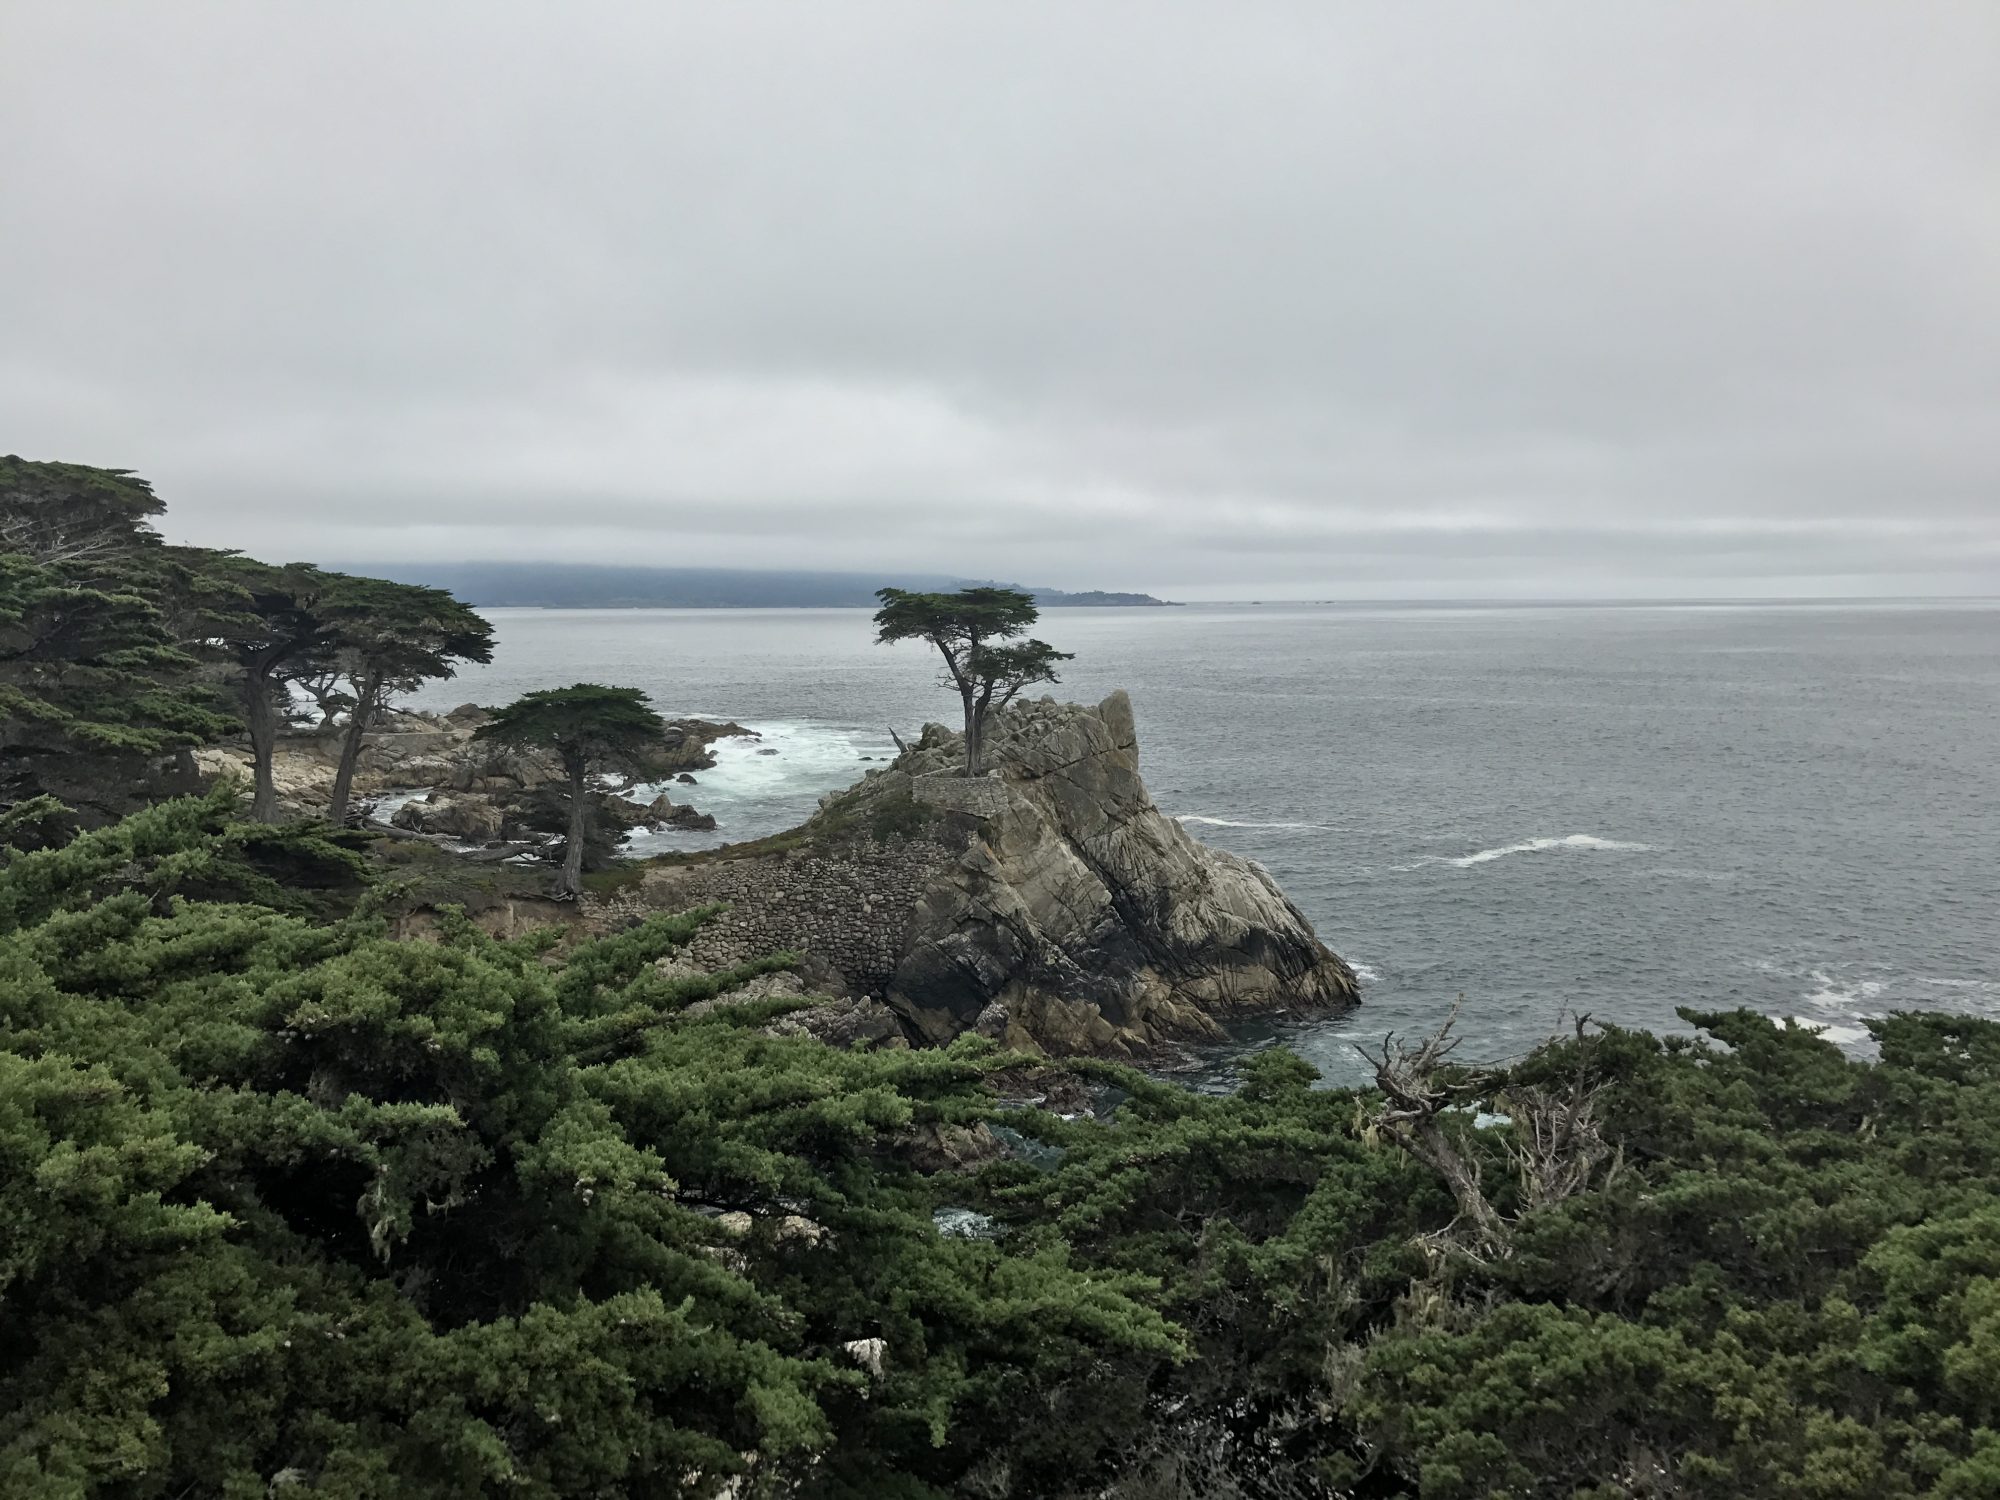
(1558, 1141)
(1556, 1145)
(1415, 1092)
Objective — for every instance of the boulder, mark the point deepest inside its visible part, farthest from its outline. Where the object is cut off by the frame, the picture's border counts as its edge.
(1048, 906)
(684, 744)
(1093, 922)
(627, 812)
(949, 1148)
(470, 819)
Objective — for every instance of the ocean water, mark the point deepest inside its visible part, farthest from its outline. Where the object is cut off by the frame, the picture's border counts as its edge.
(1546, 810)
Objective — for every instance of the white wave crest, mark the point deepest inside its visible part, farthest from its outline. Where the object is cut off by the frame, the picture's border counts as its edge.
(1830, 1031)
(1833, 991)
(1536, 846)
(1365, 973)
(1234, 823)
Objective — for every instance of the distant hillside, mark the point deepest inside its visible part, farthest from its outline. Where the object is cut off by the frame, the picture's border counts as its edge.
(586, 586)
(1089, 598)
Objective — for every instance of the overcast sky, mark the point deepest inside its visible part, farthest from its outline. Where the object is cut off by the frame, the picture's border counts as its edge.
(1218, 300)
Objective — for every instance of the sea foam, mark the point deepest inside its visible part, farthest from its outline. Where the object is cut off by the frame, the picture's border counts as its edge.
(1234, 823)
(1830, 1031)
(1536, 846)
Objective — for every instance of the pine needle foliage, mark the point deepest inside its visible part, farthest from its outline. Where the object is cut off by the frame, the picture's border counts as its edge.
(288, 1203)
(1784, 1286)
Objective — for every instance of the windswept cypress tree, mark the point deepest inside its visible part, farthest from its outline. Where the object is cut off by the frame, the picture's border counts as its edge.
(974, 632)
(389, 638)
(590, 728)
(96, 684)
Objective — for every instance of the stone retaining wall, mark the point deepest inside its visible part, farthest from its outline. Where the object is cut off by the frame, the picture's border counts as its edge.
(849, 908)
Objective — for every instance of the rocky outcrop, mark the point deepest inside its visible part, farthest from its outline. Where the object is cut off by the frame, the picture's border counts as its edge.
(404, 749)
(1049, 904)
(473, 820)
(1079, 917)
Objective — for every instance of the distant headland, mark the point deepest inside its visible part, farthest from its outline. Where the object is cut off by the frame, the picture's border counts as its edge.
(592, 586)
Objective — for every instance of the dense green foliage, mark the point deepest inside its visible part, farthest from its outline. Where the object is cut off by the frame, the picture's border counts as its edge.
(1787, 1285)
(116, 650)
(96, 684)
(285, 1200)
(590, 728)
(392, 638)
(280, 1198)
(975, 632)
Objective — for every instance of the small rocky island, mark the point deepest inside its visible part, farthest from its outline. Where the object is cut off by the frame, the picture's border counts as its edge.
(1048, 904)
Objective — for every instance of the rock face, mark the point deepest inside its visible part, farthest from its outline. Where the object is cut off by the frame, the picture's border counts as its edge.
(471, 819)
(1078, 917)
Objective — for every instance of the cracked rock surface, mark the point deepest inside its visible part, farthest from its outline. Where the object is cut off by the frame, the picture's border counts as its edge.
(1078, 917)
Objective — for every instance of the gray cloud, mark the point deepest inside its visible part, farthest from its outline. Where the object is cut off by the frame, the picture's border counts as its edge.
(1268, 298)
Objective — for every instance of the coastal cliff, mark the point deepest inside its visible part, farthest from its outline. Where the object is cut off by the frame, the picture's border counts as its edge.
(1080, 917)
(1048, 904)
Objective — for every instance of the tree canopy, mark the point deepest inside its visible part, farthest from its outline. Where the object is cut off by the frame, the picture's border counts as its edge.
(972, 630)
(275, 628)
(60, 513)
(116, 648)
(390, 638)
(95, 681)
(589, 727)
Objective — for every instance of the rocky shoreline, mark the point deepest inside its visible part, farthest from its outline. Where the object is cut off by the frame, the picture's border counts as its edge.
(503, 801)
(1049, 904)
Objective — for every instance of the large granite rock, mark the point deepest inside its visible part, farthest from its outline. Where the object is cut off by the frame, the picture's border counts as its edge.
(469, 819)
(1079, 918)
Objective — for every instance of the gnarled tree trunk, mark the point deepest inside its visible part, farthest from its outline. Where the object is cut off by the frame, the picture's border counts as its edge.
(350, 745)
(570, 882)
(260, 713)
(975, 726)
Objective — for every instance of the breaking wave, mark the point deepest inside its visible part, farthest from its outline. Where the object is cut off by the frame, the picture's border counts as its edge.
(1834, 991)
(1536, 846)
(1234, 823)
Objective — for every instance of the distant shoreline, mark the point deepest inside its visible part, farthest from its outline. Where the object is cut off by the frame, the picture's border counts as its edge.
(857, 608)
(592, 586)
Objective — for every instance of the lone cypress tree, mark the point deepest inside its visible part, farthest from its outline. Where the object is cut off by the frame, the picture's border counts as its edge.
(966, 628)
(589, 727)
